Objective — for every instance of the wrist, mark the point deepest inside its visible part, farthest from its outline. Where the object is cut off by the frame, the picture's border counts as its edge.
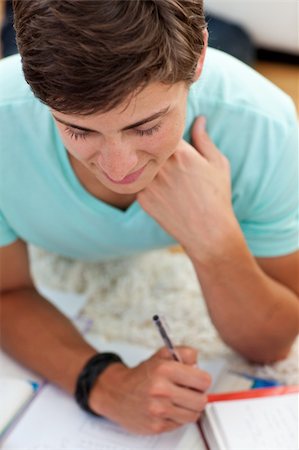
(91, 372)
(104, 396)
(223, 243)
(229, 266)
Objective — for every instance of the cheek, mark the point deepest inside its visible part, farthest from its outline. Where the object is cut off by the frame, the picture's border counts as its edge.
(80, 149)
(165, 143)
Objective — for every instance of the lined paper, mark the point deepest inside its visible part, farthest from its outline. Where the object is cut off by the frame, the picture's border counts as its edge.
(258, 423)
(54, 421)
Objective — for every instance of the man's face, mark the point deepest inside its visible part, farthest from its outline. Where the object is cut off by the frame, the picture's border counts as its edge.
(126, 147)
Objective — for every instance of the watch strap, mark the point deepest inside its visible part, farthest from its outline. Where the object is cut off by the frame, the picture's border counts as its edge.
(94, 367)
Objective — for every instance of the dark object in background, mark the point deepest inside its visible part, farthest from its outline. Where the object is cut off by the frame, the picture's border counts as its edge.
(8, 38)
(276, 56)
(231, 38)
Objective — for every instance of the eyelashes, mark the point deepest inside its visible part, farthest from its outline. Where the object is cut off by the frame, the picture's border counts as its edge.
(148, 132)
(76, 134)
(83, 134)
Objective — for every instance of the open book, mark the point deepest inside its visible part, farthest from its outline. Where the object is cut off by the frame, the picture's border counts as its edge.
(259, 419)
(54, 421)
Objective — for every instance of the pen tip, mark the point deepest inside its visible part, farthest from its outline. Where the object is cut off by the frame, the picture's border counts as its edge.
(155, 317)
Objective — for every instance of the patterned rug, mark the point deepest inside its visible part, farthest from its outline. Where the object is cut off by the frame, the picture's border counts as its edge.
(123, 295)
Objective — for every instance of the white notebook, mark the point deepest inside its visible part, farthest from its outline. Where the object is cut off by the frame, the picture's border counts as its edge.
(18, 387)
(15, 394)
(261, 423)
(54, 422)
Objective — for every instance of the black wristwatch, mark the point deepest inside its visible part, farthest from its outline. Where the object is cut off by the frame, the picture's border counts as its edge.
(87, 377)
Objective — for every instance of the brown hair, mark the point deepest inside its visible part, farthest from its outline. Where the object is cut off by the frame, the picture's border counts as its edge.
(85, 56)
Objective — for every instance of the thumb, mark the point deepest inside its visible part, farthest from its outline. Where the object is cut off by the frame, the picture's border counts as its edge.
(198, 128)
(201, 140)
(200, 124)
(188, 355)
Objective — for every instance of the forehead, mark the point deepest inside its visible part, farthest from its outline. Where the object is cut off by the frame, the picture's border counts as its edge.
(153, 98)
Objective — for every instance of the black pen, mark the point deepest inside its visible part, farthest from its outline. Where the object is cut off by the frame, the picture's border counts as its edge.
(165, 337)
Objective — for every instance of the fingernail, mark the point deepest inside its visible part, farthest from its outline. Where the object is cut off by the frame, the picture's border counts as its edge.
(202, 123)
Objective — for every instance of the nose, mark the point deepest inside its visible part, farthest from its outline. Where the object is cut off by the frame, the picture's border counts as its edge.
(117, 159)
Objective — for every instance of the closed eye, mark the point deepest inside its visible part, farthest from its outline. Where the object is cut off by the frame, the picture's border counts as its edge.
(76, 134)
(83, 134)
(149, 131)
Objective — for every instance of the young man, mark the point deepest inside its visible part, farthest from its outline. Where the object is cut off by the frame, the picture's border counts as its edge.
(133, 139)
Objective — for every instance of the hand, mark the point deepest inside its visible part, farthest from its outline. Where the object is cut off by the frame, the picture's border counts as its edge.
(158, 395)
(191, 195)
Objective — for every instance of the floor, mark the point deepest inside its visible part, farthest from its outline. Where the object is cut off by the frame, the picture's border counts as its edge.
(286, 76)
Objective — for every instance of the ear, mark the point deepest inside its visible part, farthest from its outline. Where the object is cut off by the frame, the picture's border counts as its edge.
(202, 56)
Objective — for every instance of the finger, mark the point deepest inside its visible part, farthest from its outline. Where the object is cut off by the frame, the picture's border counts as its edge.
(165, 353)
(182, 415)
(190, 377)
(188, 355)
(161, 426)
(189, 399)
(201, 140)
(171, 413)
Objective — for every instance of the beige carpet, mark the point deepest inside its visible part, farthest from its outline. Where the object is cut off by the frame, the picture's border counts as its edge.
(123, 295)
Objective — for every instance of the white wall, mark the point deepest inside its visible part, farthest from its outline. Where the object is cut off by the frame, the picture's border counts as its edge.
(272, 24)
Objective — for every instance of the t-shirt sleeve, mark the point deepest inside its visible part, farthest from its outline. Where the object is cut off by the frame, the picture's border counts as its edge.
(7, 234)
(271, 226)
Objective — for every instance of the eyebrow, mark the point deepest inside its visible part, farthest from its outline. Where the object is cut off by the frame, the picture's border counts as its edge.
(154, 116)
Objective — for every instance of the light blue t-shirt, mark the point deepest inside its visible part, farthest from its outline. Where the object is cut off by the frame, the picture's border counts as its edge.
(249, 119)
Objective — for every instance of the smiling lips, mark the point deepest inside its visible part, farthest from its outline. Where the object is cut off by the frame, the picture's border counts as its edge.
(129, 178)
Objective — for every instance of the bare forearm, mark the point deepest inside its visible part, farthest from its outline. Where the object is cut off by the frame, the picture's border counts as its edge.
(39, 336)
(253, 313)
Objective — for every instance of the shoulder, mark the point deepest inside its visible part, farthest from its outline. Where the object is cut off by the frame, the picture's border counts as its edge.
(18, 105)
(26, 124)
(14, 85)
(20, 110)
(230, 90)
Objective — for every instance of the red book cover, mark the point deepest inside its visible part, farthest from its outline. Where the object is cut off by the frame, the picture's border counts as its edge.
(253, 393)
